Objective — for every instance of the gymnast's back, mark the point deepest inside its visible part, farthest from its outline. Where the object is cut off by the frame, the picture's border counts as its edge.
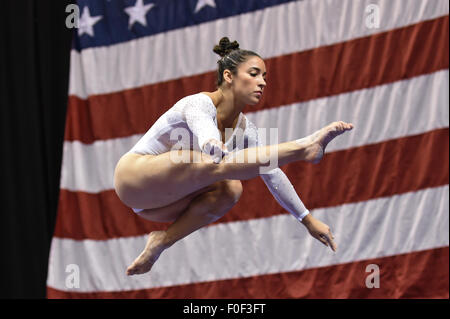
(189, 123)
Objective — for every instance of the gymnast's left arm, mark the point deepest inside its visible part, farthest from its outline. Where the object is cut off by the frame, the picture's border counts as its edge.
(282, 190)
(285, 194)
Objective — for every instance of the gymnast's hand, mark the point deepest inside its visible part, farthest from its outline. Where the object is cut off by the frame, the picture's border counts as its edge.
(319, 231)
(216, 149)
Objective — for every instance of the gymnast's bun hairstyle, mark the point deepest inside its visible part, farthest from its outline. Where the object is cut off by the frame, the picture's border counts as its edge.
(231, 56)
(225, 47)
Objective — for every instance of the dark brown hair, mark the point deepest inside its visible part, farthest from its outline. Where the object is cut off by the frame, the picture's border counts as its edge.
(231, 57)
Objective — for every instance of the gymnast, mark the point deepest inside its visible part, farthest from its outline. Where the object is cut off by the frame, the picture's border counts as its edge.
(193, 181)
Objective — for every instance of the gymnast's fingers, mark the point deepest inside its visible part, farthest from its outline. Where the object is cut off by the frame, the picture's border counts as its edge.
(330, 240)
(322, 239)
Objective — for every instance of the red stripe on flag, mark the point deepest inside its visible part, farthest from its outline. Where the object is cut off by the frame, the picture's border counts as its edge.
(422, 274)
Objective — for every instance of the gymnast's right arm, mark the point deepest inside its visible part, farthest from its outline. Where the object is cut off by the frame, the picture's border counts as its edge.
(200, 119)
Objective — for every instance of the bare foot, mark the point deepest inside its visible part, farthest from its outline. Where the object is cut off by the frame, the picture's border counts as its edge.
(319, 140)
(154, 247)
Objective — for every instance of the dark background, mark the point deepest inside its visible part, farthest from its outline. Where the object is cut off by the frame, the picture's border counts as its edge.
(34, 69)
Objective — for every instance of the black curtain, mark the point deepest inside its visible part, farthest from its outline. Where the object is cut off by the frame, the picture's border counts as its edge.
(34, 70)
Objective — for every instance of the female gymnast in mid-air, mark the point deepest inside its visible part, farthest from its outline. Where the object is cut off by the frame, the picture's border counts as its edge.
(206, 184)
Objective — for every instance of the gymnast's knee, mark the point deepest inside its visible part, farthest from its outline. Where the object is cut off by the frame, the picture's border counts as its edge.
(229, 191)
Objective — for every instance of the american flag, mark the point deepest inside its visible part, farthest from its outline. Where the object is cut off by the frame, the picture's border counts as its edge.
(383, 189)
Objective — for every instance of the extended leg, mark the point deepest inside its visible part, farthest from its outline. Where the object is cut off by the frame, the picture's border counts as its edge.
(152, 175)
(247, 163)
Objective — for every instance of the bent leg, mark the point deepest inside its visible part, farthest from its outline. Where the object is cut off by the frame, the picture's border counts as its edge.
(171, 212)
(205, 209)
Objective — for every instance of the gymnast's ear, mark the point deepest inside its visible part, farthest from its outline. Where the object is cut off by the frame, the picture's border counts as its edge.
(227, 76)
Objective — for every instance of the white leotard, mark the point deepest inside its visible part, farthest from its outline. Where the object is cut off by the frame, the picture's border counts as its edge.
(195, 116)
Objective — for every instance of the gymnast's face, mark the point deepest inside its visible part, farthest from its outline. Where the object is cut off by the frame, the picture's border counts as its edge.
(249, 82)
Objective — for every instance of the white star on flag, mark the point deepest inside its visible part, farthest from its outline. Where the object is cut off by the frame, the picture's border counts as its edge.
(86, 22)
(138, 12)
(203, 3)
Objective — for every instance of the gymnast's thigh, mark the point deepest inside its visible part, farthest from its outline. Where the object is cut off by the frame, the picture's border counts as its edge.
(152, 181)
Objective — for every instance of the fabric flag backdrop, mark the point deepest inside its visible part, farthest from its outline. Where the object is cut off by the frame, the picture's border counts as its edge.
(382, 188)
